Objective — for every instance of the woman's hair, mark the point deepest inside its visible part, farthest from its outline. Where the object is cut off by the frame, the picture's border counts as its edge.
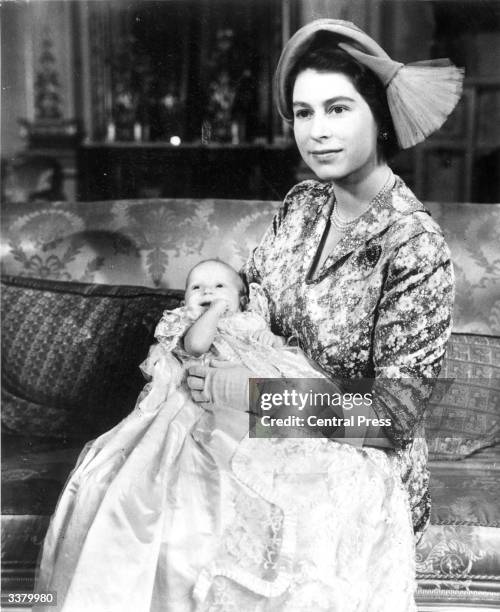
(328, 58)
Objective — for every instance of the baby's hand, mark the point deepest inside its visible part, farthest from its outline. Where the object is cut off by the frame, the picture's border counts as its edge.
(269, 339)
(219, 305)
(194, 311)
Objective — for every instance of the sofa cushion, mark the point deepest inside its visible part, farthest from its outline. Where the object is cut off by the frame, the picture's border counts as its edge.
(464, 412)
(462, 543)
(71, 351)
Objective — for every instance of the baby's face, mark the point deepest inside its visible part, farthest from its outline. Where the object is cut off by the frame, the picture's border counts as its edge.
(212, 281)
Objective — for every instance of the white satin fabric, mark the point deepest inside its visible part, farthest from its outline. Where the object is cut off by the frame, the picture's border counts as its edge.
(171, 511)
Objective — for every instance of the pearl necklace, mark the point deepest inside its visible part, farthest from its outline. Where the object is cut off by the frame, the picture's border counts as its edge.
(341, 224)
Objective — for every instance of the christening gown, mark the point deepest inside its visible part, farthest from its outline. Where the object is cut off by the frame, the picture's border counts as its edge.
(177, 509)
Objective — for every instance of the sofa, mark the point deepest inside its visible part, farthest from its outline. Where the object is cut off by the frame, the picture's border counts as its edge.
(83, 285)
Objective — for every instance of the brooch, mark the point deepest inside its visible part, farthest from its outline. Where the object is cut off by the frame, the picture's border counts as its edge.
(370, 256)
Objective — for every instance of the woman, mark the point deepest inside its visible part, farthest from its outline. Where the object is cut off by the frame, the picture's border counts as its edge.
(179, 509)
(354, 267)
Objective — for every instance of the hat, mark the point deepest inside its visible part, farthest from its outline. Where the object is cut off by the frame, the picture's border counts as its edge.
(420, 95)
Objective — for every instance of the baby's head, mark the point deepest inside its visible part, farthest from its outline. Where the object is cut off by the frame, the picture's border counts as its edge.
(213, 279)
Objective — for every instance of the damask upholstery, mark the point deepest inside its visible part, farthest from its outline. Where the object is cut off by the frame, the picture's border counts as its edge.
(154, 243)
(473, 234)
(458, 558)
(151, 244)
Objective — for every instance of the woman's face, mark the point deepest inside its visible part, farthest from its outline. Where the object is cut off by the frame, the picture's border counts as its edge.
(334, 127)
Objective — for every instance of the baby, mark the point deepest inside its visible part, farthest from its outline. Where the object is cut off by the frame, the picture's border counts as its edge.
(214, 289)
(159, 503)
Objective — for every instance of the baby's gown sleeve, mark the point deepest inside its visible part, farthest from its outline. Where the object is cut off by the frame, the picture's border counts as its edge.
(172, 327)
(163, 365)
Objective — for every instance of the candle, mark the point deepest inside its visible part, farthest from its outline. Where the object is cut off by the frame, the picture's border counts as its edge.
(235, 133)
(111, 132)
(137, 132)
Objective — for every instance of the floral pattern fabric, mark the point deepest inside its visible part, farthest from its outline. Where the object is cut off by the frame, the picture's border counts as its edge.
(473, 234)
(379, 308)
(458, 559)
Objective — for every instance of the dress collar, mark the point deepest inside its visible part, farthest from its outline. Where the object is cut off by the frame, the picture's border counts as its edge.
(398, 202)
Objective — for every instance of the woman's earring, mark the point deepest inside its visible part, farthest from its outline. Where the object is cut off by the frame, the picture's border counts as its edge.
(384, 135)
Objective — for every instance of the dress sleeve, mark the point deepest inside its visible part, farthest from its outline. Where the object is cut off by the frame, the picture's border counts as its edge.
(257, 302)
(413, 326)
(253, 269)
(172, 327)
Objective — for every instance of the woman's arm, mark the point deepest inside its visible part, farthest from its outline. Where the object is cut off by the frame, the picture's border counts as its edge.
(255, 266)
(411, 331)
(254, 270)
(200, 336)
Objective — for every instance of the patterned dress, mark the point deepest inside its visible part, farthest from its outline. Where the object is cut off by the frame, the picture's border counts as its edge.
(379, 308)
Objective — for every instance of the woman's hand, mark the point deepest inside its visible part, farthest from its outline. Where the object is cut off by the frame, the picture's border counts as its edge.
(222, 383)
(267, 337)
